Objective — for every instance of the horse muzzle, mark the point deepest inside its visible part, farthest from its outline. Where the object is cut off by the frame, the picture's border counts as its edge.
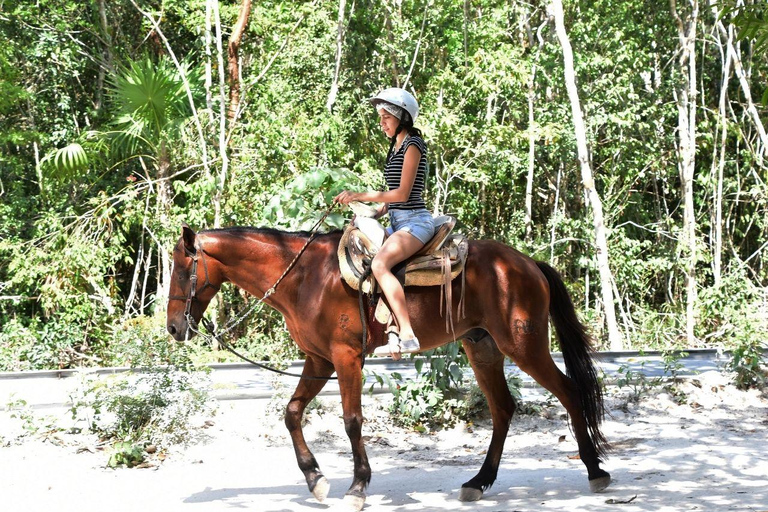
(180, 330)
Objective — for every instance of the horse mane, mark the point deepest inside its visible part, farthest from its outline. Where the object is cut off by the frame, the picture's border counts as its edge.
(250, 230)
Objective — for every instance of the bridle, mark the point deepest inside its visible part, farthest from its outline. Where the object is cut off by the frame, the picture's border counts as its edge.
(199, 254)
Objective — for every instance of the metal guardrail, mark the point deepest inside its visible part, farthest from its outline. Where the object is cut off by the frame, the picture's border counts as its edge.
(242, 381)
(692, 354)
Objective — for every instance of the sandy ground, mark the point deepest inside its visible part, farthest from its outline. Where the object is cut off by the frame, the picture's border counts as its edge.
(708, 454)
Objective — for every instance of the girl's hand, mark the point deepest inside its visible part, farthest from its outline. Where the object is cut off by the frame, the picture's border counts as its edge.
(346, 197)
(381, 211)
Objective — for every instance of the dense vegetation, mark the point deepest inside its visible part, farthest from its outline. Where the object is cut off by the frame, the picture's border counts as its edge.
(121, 120)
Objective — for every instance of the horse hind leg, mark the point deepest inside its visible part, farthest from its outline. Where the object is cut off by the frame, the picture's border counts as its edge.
(540, 366)
(488, 365)
(306, 390)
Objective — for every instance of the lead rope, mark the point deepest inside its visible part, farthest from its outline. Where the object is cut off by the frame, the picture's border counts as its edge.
(217, 336)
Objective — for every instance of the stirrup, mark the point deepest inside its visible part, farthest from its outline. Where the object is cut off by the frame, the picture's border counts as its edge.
(396, 347)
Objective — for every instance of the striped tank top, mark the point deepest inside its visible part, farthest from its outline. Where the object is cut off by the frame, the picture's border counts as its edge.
(394, 170)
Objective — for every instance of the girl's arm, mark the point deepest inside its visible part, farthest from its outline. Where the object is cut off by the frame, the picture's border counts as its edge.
(398, 195)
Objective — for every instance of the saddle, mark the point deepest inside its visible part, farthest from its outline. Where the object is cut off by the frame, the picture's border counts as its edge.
(440, 261)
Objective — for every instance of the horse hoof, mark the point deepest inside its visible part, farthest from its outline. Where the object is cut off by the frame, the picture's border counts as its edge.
(320, 491)
(599, 484)
(470, 494)
(353, 503)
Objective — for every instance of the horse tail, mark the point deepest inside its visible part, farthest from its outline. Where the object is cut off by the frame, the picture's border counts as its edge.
(576, 346)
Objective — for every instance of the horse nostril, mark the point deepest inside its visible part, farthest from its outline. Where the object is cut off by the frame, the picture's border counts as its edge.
(172, 329)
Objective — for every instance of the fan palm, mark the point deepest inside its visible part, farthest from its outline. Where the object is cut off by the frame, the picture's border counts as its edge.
(150, 107)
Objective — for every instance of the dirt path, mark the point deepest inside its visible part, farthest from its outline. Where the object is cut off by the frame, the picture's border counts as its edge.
(707, 454)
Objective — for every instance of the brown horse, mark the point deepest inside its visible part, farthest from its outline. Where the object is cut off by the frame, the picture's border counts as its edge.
(509, 299)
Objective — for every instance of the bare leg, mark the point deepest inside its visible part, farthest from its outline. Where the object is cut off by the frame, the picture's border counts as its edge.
(398, 247)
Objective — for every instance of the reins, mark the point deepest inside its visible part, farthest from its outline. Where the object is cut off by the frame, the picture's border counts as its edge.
(218, 336)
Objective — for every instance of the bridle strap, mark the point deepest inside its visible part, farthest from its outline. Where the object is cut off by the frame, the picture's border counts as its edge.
(193, 292)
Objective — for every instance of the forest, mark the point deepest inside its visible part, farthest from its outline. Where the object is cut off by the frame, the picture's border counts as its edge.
(623, 141)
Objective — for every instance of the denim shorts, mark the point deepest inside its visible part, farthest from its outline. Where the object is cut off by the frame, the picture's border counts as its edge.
(416, 222)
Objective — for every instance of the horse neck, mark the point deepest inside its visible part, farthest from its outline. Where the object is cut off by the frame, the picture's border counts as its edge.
(255, 260)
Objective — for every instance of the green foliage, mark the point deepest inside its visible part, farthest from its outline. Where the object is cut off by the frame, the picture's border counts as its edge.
(153, 407)
(637, 382)
(299, 203)
(419, 404)
(151, 104)
(752, 21)
(79, 244)
(749, 364)
(69, 160)
(434, 397)
(126, 454)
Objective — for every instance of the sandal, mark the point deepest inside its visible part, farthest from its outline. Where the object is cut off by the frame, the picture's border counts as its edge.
(396, 347)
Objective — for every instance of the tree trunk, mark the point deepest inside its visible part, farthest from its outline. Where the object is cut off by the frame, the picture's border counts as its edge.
(164, 203)
(233, 57)
(735, 53)
(601, 245)
(339, 46)
(106, 53)
(208, 59)
(555, 215)
(532, 130)
(217, 198)
(717, 232)
(686, 130)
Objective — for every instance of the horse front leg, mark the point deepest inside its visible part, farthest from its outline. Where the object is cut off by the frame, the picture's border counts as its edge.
(305, 392)
(348, 365)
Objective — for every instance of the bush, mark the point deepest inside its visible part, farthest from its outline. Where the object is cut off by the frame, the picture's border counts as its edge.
(434, 397)
(154, 407)
(748, 364)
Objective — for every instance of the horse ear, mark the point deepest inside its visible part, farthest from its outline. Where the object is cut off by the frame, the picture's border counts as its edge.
(189, 238)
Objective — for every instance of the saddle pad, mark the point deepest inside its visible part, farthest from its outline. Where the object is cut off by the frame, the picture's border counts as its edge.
(426, 270)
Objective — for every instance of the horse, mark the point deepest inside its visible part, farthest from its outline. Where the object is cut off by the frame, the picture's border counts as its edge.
(509, 300)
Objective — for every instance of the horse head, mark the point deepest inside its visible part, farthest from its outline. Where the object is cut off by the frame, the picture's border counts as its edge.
(194, 282)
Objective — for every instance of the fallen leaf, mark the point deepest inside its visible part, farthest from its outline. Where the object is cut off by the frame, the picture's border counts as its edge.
(575, 457)
(620, 502)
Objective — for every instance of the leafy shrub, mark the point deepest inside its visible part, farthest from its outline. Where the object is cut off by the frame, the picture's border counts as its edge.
(437, 397)
(636, 381)
(126, 454)
(733, 314)
(154, 407)
(31, 424)
(434, 396)
(421, 404)
(748, 364)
